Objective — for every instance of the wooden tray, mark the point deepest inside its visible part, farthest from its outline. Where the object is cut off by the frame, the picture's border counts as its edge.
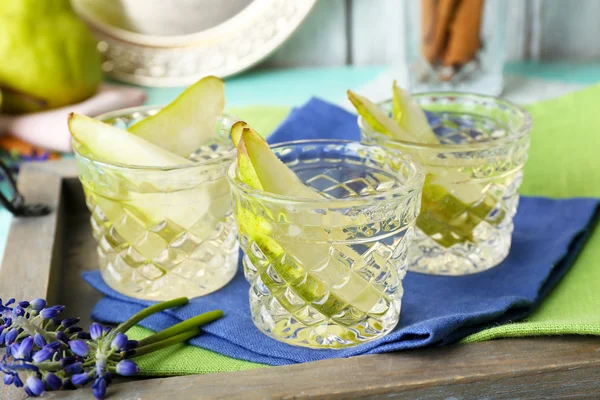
(44, 257)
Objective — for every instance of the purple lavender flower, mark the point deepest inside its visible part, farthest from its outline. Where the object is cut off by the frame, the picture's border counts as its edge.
(23, 350)
(10, 301)
(39, 340)
(127, 368)
(51, 312)
(9, 379)
(80, 379)
(17, 381)
(68, 385)
(11, 336)
(38, 304)
(79, 347)
(66, 323)
(99, 388)
(18, 311)
(60, 335)
(53, 381)
(119, 342)
(23, 304)
(36, 385)
(84, 336)
(43, 354)
(74, 368)
(67, 361)
(106, 330)
(95, 331)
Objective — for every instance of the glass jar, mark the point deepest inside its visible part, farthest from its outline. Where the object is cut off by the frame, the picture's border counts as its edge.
(328, 273)
(456, 45)
(162, 232)
(472, 177)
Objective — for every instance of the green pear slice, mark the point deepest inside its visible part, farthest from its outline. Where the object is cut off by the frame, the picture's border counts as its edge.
(114, 145)
(376, 117)
(189, 121)
(320, 279)
(410, 117)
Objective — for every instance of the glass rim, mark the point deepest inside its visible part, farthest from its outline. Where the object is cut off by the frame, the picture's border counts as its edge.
(228, 157)
(515, 134)
(415, 182)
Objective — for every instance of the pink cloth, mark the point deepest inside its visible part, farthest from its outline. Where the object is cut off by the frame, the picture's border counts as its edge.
(48, 129)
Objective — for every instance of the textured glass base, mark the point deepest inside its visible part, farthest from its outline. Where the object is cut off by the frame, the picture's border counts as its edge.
(306, 326)
(429, 257)
(165, 261)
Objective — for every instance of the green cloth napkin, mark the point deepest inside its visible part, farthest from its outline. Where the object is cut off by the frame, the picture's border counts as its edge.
(563, 162)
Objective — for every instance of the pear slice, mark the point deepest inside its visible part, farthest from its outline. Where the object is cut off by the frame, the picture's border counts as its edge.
(311, 270)
(376, 117)
(110, 144)
(189, 121)
(411, 117)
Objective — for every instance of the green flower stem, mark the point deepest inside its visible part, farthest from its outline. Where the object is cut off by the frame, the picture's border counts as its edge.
(182, 337)
(49, 366)
(182, 327)
(145, 313)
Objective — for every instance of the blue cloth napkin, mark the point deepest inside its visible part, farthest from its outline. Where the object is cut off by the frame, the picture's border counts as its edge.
(436, 310)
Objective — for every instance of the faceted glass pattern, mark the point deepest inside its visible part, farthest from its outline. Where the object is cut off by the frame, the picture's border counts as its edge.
(162, 233)
(328, 273)
(472, 179)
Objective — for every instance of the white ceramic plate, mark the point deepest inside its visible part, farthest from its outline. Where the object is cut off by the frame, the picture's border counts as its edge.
(176, 42)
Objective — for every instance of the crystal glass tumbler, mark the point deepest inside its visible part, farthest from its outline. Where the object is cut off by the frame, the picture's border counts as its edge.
(162, 232)
(472, 177)
(327, 273)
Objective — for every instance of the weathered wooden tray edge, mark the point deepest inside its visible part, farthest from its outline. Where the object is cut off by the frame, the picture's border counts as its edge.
(525, 368)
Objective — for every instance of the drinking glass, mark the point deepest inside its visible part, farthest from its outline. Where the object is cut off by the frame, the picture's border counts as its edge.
(162, 232)
(327, 273)
(472, 180)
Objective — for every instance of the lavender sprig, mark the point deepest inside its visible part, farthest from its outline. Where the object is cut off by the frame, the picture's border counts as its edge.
(43, 352)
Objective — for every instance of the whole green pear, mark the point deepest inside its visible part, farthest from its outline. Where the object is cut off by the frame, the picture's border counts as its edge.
(49, 56)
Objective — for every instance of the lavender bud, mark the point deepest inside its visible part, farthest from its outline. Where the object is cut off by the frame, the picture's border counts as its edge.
(24, 350)
(73, 329)
(67, 361)
(73, 368)
(19, 311)
(131, 344)
(119, 342)
(10, 301)
(84, 336)
(17, 381)
(54, 345)
(9, 379)
(43, 354)
(11, 335)
(36, 385)
(66, 323)
(51, 312)
(99, 388)
(106, 330)
(60, 335)
(80, 379)
(127, 368)
(39, 340)
(68, 385)
(53, 381)
(96, 331)
(24, 304)
(79, 347)
(3, 336)
(38, 304)
(13, 349)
